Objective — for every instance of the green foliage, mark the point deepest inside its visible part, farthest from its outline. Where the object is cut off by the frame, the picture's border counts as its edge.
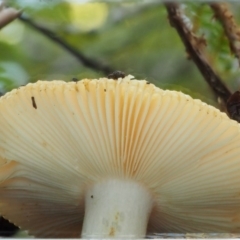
(5, 82)
(135, 38)
(207, 25)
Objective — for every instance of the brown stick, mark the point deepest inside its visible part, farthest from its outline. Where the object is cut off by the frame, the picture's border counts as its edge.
(194, 46)
(7, 15)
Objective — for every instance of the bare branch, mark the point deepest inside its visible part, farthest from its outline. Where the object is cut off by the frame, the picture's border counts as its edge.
(7, 15)
(194, 46)
(232, 31)
(86, 61)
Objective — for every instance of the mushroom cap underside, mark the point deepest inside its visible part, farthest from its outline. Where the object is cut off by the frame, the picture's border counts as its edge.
(58, 138)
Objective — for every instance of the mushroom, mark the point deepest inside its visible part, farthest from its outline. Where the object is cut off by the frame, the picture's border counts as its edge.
(116, 158)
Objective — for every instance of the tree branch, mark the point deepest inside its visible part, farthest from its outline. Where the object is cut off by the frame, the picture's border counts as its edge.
(7, 15)
(232, 31)
(194, 46)
(86, 61)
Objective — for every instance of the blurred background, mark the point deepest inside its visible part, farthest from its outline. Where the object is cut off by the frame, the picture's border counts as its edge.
(132, 36)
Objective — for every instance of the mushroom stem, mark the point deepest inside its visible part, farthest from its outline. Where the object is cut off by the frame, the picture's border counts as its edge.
(116, 209)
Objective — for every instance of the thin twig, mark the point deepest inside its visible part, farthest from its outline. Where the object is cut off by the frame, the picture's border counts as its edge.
(194, 46)
(86, 61)
(231, 29)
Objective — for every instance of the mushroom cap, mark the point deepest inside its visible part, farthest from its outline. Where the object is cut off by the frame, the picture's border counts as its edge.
(58, 138)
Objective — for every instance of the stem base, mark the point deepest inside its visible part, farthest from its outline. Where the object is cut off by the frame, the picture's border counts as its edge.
(116, 209)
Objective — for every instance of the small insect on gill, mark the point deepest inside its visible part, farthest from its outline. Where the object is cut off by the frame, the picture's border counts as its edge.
(34, 103)
(74, 79)
(115, 75)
